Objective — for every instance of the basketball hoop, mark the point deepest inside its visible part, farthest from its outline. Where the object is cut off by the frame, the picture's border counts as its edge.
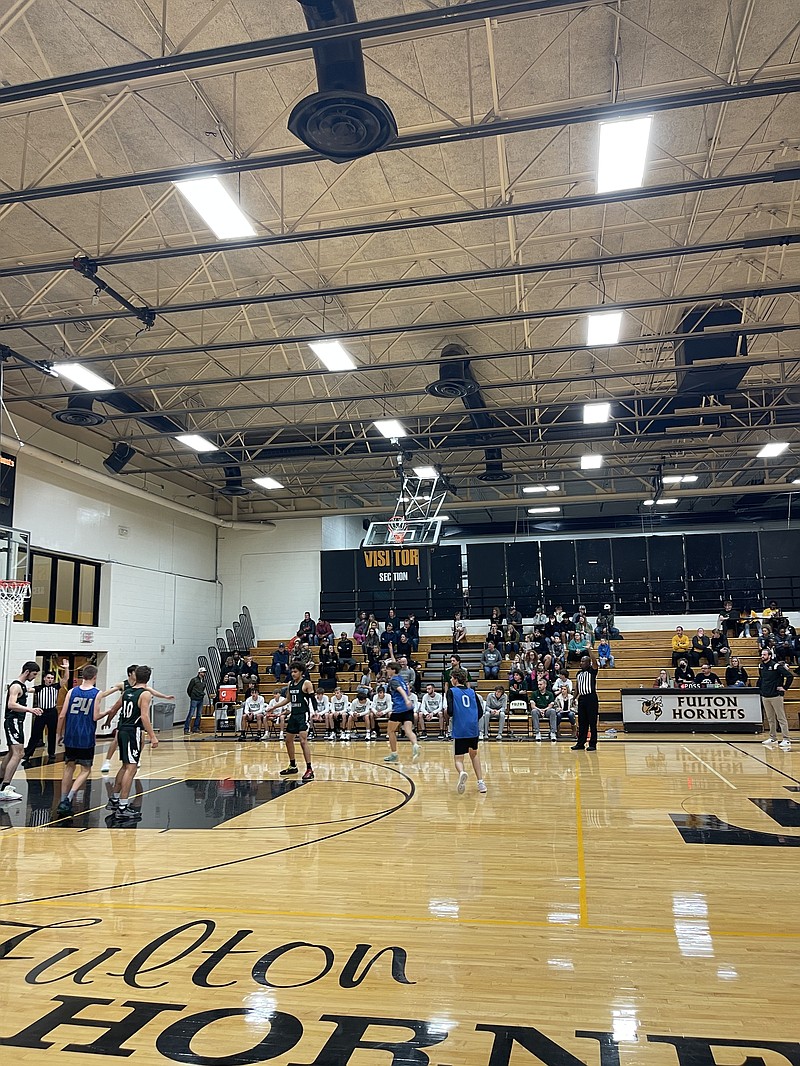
(12, 596)
(398, 528)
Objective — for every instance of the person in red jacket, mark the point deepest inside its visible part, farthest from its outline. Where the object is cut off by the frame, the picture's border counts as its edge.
(324, 629)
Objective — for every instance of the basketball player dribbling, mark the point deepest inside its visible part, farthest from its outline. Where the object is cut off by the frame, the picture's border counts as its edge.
(402, 713)
(302, 702)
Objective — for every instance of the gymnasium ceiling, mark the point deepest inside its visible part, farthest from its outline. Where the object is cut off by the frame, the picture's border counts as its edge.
(498, 125)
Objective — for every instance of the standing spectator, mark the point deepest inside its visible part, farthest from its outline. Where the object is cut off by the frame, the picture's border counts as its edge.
(719, 646)
(413, 632)
(588, 704)
(491, 660)
(774, 678)
(663, 680)
(495, 708)
(604, 653)
(46, 697)
(196, 691)
(455, 664)
(307, 630)
(728, 620)
(459, 631)
(736, 675)
(280, 662)
(324, 629)
(605, 620)
(372, 648)
(681, 646)
(701, 649)
(345, 652)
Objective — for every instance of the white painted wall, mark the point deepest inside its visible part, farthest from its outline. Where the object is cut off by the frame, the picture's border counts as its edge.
(276, 572)
(160, 602)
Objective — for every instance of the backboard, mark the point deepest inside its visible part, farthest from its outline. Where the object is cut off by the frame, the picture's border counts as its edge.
(418, 532)
(15, 554)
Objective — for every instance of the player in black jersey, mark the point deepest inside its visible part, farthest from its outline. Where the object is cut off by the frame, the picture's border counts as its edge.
(134, 719)
(14, 725)
(300, 696)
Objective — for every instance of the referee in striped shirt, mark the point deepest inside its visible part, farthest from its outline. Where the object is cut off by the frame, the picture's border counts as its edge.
(588, 705)
(46, 697)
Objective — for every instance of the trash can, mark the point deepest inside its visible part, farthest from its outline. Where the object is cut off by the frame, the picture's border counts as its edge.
(162, 715)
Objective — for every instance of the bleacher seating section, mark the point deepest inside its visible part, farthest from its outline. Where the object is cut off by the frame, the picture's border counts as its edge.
(638, 657)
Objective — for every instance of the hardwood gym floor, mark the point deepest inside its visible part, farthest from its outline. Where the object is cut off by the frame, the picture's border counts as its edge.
(636, 905)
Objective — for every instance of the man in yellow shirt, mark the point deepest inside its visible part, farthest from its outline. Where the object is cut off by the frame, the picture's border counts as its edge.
(680, 645)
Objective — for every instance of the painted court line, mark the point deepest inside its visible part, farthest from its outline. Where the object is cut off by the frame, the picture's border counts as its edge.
(716, 773)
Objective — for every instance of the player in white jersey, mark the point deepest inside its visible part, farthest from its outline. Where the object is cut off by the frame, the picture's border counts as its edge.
(277, 717)
(338, 714)
(381, 708)
(322, 715)
(431, 709)
(361, 708)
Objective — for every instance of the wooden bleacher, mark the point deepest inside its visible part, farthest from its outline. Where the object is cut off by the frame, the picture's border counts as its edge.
(638, 658)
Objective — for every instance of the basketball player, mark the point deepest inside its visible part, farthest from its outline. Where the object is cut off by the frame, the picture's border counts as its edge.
(301, 700)
(77, 725)
(402, 713)
(462, 706)
(14, 725)
(322, 712)
(588, 704)
(431, 710)
(337, 719)
(361, 708)
(120, 687)
(134, 718)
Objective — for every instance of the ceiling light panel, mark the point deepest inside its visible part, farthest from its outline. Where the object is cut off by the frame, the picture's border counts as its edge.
(426, 473)
(390, 427)
(217, 208)
(591, 462)
(196, 442)
(603, 327)
(544, 510)
(769, 451)
(82, 376)
(623, 153)
(333, 355)
(267, 482)
(596, 412)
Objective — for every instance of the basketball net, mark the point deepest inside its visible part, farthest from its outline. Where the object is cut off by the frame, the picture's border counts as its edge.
(398, 528)
(12, 596)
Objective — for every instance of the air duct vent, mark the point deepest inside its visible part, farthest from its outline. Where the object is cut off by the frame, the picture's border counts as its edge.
(455, 379)
(341, 121)
(79, 412)
(494, 471)
(233, 482)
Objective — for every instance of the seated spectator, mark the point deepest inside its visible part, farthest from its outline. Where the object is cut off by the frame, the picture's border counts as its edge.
(681, 645)
(338, 714)
(496, 703)
(663, 680)
(391, 617)
(495, 635)
(765, 639)
(512, 640)
(728, 620)
(557, 650)
(491, 660)
(304, 655)
(785, 646)
(539, 620)
(515, 617)
(381, 708)
(496, 618)
(543, 703)
(701, 649)
(580, 615)
(749, 622)
(605, 656)
(360, 631)
(431, 709)
(706, 678)
(281, 662)
(736, 675)
(372, 648)
(518, 699)
(387, 642)
(344, 649)
(250, 673)
(605, 620)
(459, 631)
(684, 674)
(518, 667)
(322, 715)
(328, 661)
(771, 613)
(403, 644)
(563, 691)
(324, 629)
(578, 647)
(413, 630)
(254, 711)
(307, 630)
(719, 646)
(539, 642)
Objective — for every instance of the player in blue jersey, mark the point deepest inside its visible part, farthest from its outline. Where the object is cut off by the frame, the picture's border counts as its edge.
(402, 712)
(77, 724)
(462, 705)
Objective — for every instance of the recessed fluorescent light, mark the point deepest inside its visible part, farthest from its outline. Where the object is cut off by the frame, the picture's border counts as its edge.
(333, 354)
(390, 427)
(591, 462)
(596, 412)
(689, 478)
(541, 488)
(769, 451)
(666, 500)
(81, 375)
(443, 518)
(544, 510)
(267, 482)
(217, 208)
(603, 327)
(194, 440)
(677, 479)
(796, 481)
(426, 473)
(622, 154)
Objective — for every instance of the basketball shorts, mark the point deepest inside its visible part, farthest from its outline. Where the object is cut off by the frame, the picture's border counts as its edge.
(81, 756)
(14, 725)
(130, 745)
(297, 723)
(465, 744)
(402, 716)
